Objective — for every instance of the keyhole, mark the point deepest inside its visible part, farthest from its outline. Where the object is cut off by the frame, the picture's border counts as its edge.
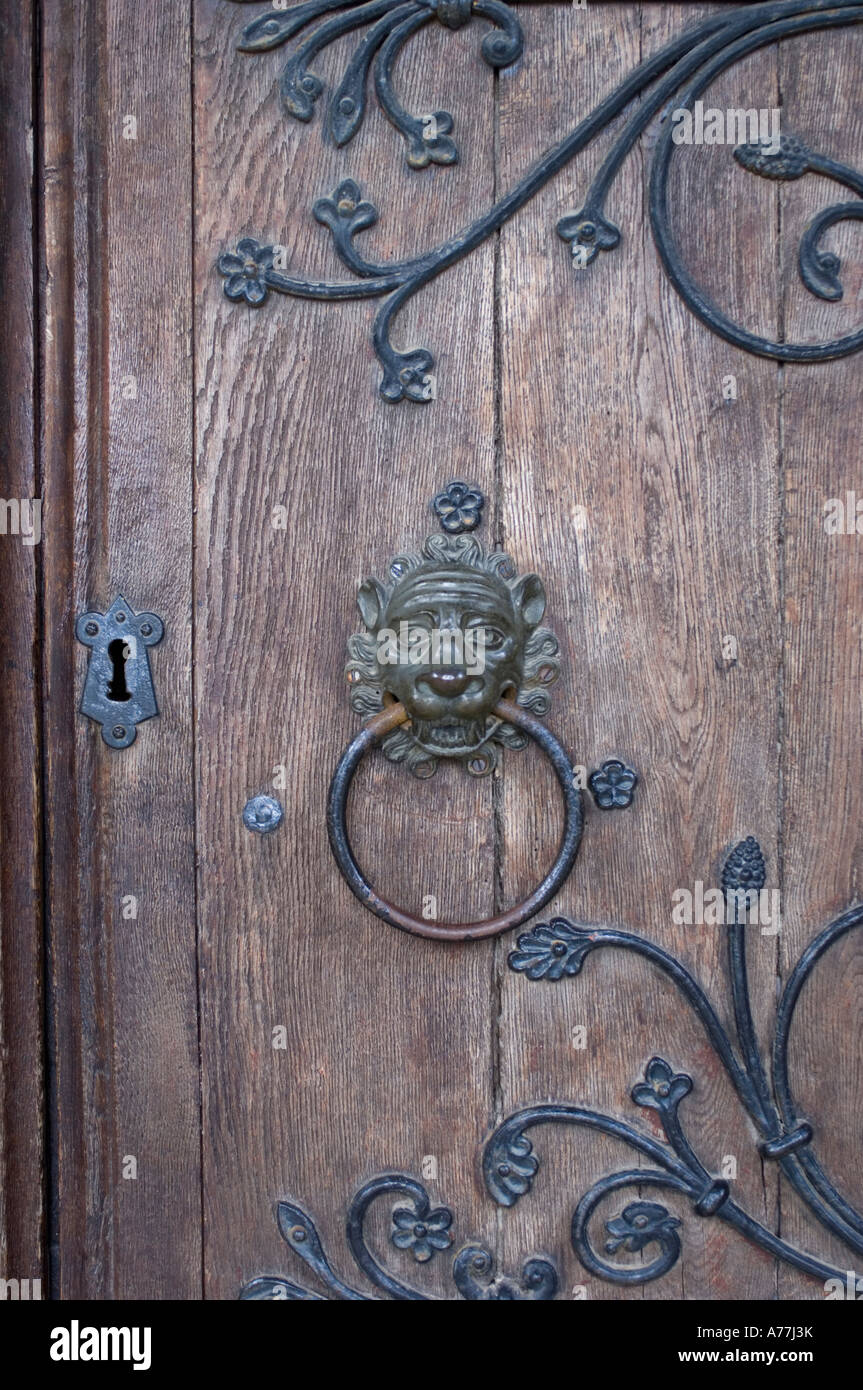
(118, 690)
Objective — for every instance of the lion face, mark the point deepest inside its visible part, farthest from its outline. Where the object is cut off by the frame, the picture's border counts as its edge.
(461, 649)
(449, 637)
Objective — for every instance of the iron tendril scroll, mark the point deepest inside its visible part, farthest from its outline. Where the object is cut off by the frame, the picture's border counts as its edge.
(683, 69)
(552, 952)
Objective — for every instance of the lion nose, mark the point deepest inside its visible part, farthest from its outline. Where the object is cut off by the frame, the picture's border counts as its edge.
(447, 680)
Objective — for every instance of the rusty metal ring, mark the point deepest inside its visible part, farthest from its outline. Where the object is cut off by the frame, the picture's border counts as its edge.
(337, 829)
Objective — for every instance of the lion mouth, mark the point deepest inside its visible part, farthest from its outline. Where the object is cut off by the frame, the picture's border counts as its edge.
(461, 733)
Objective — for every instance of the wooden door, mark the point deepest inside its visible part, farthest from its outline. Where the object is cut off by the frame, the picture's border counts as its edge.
(200, 1021)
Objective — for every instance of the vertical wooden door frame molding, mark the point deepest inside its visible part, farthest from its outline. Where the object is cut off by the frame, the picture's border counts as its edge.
(22, 1237)
(121, 930)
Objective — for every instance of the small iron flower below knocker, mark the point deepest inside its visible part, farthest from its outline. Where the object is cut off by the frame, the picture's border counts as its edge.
(454, 663)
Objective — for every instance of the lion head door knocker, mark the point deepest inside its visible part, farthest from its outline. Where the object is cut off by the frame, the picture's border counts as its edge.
(453, 663)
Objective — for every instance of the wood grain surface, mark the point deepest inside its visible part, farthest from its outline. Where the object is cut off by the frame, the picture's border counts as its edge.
(253, 1034)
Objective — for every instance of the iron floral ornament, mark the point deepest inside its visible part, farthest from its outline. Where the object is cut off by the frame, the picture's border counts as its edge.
(550, 952)
(680, 73)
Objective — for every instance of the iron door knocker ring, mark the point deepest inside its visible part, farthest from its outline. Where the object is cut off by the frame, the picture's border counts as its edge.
(453, 663)
(392, 718)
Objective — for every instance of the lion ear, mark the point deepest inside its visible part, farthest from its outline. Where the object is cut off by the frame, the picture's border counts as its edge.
(370, 601)
(528, 595)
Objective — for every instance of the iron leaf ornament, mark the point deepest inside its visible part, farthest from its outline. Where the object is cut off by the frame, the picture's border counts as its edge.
(644, 1228)
(678, 74)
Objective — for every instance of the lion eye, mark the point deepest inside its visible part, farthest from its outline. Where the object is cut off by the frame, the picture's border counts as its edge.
(492, 637)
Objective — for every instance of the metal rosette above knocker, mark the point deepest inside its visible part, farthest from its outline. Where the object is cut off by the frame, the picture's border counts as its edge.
(675, 77)
(454, 663)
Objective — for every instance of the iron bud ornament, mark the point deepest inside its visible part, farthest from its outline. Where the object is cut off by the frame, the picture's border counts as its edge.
(454, 662)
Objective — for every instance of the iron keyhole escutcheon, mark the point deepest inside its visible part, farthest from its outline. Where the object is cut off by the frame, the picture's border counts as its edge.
(118, 690)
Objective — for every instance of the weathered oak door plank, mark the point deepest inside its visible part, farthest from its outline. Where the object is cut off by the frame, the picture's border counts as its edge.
(613, 404)
(821, 412)
(388, 1038)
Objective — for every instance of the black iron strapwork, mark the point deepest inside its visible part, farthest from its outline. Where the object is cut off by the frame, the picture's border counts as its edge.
(680, 72)
(118, 690)
(557, 949)
(553, 951)
(418, 1228)
(393, 23)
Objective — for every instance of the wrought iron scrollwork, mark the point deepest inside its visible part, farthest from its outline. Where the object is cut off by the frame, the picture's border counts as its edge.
(550, 952)
(683, 70)
(559, 948)
(418, 1228)
(393, 24)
